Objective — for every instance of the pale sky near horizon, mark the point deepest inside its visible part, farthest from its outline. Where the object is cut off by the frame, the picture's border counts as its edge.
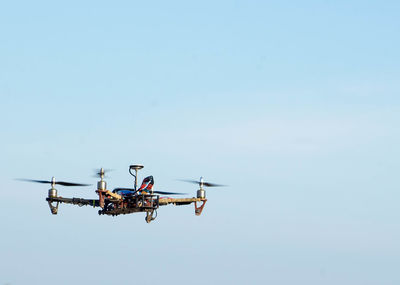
(293, 104)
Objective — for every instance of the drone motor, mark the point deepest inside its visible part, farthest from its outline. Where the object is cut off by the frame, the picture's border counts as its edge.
(101, 185)
(53, 191)
(201, 193)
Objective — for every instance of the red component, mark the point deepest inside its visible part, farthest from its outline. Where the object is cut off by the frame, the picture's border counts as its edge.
(147, 183)
(198, 210)
(101, 197)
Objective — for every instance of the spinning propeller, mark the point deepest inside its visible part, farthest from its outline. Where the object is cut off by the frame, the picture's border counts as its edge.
(201, 183)
(156, 192)
(101, 172)
(201, 193)
(54, 182)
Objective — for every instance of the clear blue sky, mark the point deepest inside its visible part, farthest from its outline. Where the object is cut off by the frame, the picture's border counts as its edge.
(294, 104)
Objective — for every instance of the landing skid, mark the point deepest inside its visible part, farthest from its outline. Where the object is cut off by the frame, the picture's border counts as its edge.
(150, 216)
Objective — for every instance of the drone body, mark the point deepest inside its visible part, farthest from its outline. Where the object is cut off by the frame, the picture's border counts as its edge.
(127, 200)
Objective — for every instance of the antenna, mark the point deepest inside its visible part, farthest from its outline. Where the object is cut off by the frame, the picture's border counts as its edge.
(135, 167)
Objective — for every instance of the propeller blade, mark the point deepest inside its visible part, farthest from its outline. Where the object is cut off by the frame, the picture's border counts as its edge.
(190, 181)
(71, 184)
(32, 180)
(168, 193)
(127, 189)
(50, 182)
(98, 172)
(207, 184)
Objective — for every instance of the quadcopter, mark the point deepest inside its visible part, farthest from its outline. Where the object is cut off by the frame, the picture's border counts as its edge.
(127, 200)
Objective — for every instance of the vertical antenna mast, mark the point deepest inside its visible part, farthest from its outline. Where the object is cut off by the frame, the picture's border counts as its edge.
(135, 167)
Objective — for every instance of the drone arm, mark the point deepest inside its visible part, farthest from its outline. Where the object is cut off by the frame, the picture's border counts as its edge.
(185, 201)
(75, 201)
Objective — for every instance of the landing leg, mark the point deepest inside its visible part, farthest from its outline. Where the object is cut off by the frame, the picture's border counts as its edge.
(150, 216)
(53, 208)
(198, 210)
